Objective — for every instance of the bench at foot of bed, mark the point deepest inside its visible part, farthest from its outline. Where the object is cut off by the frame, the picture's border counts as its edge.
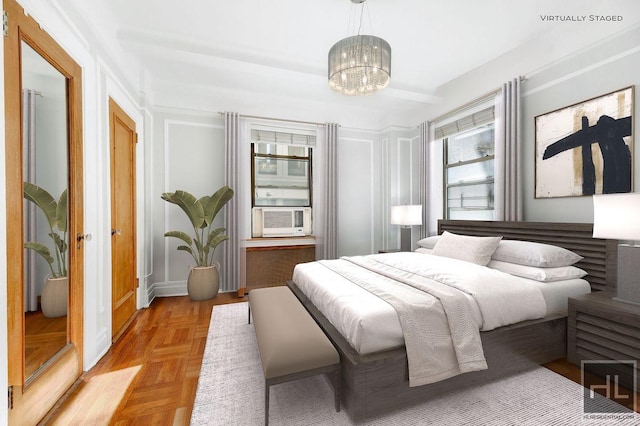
(292, 346)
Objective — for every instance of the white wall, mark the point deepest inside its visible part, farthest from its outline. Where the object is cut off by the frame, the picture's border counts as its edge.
(604, 67)
(401, 176)
(358, 199)
(189, 155)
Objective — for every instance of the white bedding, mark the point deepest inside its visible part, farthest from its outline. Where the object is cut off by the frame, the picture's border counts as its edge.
(370, 324)
(440, 336)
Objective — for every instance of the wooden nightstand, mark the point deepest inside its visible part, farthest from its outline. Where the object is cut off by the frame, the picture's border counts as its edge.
(603, 329)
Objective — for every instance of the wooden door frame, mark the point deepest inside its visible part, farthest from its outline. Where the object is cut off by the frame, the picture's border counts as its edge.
(70, 359)
(115, 110)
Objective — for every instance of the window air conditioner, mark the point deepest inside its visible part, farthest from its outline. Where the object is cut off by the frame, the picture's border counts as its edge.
(281, 221)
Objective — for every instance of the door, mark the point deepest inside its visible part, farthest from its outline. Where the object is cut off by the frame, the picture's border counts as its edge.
(43, 132)
(123, 218)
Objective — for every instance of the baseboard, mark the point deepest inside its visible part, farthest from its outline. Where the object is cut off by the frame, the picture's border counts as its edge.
(167, 289)
(102, 341)
(173, 288)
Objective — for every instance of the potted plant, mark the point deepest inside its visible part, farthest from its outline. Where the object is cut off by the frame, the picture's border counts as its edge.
(55, 293)
(204, 279)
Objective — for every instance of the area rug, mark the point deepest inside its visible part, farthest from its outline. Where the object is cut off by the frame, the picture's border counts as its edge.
(231, 392)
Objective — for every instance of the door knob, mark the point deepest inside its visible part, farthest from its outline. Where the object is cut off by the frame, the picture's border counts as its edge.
(116, 231)
(80, 237)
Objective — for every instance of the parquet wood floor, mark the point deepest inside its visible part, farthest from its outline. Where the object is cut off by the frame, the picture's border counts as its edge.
(43, 338)
(150, 375)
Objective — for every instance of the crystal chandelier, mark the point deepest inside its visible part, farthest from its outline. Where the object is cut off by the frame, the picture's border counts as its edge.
(361, 64)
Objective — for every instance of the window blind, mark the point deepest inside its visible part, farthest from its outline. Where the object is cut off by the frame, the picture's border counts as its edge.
(466, 123)
(270, 136)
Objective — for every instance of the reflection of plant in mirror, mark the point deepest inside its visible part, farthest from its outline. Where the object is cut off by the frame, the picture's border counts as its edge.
(56, 215)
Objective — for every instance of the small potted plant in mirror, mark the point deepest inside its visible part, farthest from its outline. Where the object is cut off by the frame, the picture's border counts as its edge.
(204, 278)
(55, 293)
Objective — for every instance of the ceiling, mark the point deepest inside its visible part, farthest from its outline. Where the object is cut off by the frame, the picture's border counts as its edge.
(245, 54)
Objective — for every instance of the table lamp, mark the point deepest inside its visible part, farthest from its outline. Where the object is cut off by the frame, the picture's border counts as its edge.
(617, 216)
(406, 216)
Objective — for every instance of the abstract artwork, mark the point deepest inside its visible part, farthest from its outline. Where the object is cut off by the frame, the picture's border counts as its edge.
(586, 148)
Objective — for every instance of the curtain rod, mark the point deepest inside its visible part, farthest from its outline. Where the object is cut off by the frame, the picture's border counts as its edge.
(278, 119)
(471, 103)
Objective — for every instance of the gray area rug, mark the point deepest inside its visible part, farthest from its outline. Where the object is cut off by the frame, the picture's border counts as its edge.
(231, 392)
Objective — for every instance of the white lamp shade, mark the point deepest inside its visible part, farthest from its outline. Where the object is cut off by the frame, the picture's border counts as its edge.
(617, 216)
(406, 215)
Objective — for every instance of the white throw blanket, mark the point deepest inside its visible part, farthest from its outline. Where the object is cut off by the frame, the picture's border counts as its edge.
(441, 338)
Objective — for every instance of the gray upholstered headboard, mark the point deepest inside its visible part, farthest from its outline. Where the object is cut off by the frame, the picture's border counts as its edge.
(600, 256)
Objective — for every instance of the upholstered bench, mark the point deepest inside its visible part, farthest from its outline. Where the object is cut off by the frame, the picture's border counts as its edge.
(291, 344)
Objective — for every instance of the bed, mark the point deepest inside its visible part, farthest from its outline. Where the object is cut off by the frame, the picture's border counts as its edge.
(377, 381)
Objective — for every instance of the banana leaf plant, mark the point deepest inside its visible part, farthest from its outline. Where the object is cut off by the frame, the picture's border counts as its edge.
(56, 214)
(201, 212)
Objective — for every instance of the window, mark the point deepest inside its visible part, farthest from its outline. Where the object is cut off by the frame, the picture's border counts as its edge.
(281, 172)
(468, 171)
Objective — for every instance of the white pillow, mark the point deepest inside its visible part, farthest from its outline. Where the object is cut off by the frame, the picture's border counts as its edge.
(424, 250)
(476, 250)
(546, 275)
(429, 242)
(534, 254)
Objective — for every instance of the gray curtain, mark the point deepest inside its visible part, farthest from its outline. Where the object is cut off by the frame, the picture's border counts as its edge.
(424, 177)
(29, 156)
(231, 258)
(508, 173)
(329, 231)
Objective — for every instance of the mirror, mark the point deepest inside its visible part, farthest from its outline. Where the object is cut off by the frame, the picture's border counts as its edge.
(46, 351)
(45, 142)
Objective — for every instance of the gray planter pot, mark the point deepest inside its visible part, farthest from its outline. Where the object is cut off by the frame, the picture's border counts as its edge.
(53, 299)
(203, 282)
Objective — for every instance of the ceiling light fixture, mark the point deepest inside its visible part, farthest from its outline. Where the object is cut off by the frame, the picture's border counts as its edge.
(361, 64)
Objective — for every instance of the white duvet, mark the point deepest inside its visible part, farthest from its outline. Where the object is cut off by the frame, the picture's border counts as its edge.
(440, 336)
(500, 299)
(370, 324)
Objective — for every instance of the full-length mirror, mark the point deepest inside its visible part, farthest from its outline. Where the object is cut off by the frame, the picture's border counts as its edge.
(46, 175)
(44, 229)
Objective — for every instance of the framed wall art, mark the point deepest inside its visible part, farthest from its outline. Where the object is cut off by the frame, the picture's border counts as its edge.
(586, 148)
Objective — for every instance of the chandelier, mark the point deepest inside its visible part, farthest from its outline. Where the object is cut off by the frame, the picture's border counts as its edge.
(361, 64)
